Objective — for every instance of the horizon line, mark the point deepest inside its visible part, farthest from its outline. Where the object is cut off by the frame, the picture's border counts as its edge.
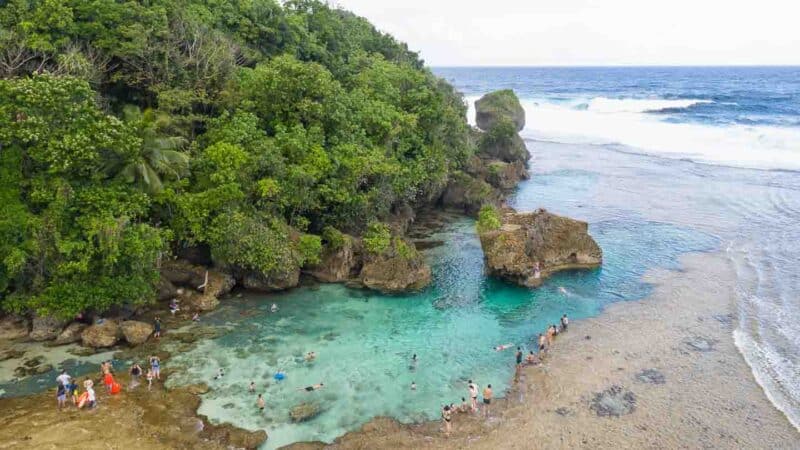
(547, 66)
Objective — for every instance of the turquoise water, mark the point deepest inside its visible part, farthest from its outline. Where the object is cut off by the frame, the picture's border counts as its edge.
(364, 340)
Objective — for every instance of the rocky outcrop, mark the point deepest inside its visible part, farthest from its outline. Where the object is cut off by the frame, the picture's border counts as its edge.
(274, 281)
(101, 335)
(505, 176)
(467, 193)
(398, 269)
(70, 334)
(136, 332)
(504, 145)
(499, 106)
(13, 327)
(522, 240)
(338, 263)
(182, 273)
(165, 290)
(45, 328)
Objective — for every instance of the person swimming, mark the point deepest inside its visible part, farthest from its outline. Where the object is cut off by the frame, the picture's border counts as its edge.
(220, 373)
(413, 386)
(413, 365)
(313, 387)
(564, 322)
(274, 308)
(310, 356)
(500, 348)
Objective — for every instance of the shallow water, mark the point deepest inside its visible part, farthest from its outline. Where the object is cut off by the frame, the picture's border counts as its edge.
(365, 340)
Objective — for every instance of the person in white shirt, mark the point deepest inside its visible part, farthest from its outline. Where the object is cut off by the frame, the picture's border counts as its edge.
(64, 378)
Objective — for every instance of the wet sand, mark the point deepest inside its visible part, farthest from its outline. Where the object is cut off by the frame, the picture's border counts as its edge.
(658, 373)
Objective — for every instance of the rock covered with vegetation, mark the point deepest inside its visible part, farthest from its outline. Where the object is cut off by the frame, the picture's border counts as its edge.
(514, 243)
(391, 263)
(132, 130)
(497, 108)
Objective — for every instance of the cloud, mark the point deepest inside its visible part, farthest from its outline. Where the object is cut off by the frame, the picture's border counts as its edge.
(591, 32)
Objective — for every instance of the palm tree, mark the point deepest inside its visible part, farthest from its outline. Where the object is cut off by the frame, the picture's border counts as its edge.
(158, 155)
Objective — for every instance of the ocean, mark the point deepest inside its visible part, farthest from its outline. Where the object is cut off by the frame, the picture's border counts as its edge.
(713, 149)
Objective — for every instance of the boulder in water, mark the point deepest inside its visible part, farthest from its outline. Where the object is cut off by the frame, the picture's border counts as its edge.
(304, 411)
(70, 334)
(498, 106)
(136, 332)
(101, 335)
(513, 249)
(278, 280)
(397, 269)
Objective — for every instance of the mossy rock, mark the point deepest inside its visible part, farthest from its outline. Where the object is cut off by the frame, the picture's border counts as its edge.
(497, 106)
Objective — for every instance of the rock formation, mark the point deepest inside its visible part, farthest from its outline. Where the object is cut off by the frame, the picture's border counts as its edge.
(72, 333)
(210, 284)
(499, 106)
(101, 335)
(522, 240)
(13, 327)
(136, 332)
(338, 263)
(399, 268)
(275, 281)
(46, 328)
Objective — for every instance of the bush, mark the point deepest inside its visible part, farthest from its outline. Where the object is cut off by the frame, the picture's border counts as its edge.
(333, 238)
(488, 219)
(310, 247)
(377, 238)
(404, 250)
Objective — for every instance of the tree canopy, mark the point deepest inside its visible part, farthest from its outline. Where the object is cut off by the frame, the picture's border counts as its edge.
(131, 129)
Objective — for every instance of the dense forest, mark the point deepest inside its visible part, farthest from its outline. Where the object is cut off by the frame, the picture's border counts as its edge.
(132, 129)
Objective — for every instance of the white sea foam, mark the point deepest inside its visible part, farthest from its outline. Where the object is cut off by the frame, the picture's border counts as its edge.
(627, 122)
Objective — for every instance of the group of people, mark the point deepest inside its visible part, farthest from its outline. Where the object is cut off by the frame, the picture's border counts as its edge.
(545, 341)
(68, 387)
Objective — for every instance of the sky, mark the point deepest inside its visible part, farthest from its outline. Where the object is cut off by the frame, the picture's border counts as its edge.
(591, 32)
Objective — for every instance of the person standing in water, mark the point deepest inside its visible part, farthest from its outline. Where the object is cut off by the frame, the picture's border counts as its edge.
(413, 365)
(136, 372)
(260, 403)
(542, 342)
(157, 328)
(519, 363)
(252, 388)
(155, 366)
(61, 395)
(487, 399)
(413, 386)
(564, 322)
(446, 416)
(149, 377)
(473, 395)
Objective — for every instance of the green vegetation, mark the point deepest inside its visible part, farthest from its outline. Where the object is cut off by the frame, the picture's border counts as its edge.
(488, 219)
(499, 106)
(377, 238)
(131, 129)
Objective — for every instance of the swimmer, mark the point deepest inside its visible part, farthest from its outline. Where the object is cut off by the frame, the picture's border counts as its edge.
(220, 373)
(487, 399)
(413, 386)
(310, 356)
(312, 387)
(464, 405)
(562, 290)
(274, 308)
(550, 333)
(252, 387)
(564, 322)
(473, 395)
(413, 365)
(500, 348)
(542, 341)
(531, 358)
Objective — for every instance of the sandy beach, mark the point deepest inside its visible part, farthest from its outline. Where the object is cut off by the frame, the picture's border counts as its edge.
(662, 372)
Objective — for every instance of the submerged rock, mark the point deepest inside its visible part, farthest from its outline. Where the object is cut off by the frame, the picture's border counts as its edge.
(652, 376)
(613, 402)
(136, 332)
(102, 335)
(557, 243)
(46, 328)
(498, 106)
(70, 334)
(304, 411)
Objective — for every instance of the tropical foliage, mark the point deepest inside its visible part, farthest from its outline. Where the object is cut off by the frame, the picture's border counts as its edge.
(131, 129)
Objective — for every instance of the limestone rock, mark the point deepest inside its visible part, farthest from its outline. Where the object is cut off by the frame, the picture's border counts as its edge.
(13, 327)
(503, 144)
(304, 411)
(236, 437)
(339, 264)
(467, 193)
(182, 273)
(70, 334)
(498, 106)
(503, 175)
(274, 281)
(555, 242)
(136, 332)
(101, 335)
(399, 269)
(165, 290)
(46, 328)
